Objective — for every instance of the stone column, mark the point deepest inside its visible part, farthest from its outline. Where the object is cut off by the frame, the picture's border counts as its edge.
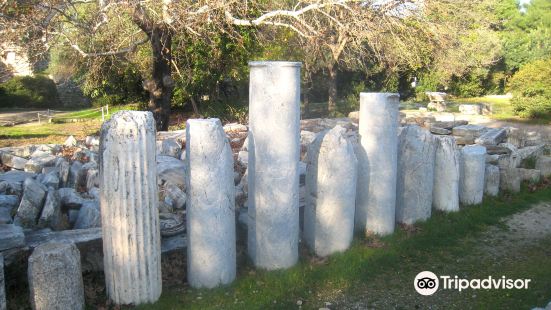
(473, 167)
(330, 193)
(129, 215)
(446, 175)
(210, 205)
(377, 162)
(415, 178)
(55, 277)
(274, 151)
(2, 285)
(491, 180)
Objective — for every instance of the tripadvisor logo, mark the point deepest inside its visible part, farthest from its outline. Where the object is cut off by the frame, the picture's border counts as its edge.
(427, 283)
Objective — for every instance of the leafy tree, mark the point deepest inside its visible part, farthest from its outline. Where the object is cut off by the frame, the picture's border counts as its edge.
(531, 88)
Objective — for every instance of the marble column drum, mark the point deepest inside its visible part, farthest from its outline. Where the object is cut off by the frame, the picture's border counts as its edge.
(273, 172)
(330, 193)
(473, 168)
(377, 163)
(210, 207)
(446, 175)
(415, 180)
(129, 211)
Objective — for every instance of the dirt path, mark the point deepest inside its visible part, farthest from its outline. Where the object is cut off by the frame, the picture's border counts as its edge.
(19, 116)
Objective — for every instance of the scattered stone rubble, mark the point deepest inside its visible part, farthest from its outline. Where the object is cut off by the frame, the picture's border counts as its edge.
(50, 193)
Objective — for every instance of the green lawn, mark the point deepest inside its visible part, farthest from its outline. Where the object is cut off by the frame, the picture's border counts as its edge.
(370, 269)
(78, 123)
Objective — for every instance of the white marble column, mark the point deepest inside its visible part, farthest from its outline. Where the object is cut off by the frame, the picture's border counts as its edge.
(491, 180)
(377, 163)
(55, 277)
(446, 175)
(210, 205)
(129, 214)
(473, 167)
(330, 193)
(415, 179)
(274, 151)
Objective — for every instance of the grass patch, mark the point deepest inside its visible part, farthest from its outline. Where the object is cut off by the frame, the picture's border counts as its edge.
(35, 133)
(92, 113)
(372, 271)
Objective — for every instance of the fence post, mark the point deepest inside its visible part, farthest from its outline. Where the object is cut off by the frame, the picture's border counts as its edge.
(102, 115)
(38, 117)
(107, 109)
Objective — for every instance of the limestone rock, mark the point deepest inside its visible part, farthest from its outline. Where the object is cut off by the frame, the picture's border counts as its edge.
(11, 236)
(9, 202)
(473, 168)
(243, 158)
(35, 164)
(5, 216)
(175, 197)
(31, 204)
(16, 176)
(71, 141)
(439, 131)
(73, 176)
(331, 177)
(446, 175)
(415, 180)
(510, 179)
(493, 136)
(531, 151)
(472, 131)
(70, 198)
(91, 141)
(92, 179)
(13, 161)
(530, 175)
(51, 180)
(89, 216)
(51, 213)
(171, 170)
(64, 168)
(55, 277)
(211, 252)
(491, 180)
(129, 215)
(470, 109)
(169, 147)
(543, 164)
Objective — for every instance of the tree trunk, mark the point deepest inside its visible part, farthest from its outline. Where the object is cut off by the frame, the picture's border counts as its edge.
(306, 101)
(161, 86)
(332, 89)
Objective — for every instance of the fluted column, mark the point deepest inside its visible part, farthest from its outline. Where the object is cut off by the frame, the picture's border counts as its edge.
(446, 174)
(274, 151)
(128, 199)
(211, 204)
(330, 193)
(377, 161)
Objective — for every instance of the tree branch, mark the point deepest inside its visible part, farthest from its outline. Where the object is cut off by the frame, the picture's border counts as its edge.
(129, 49)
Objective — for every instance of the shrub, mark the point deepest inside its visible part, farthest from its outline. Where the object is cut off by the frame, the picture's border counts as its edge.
(531, 88)
(29, 92)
